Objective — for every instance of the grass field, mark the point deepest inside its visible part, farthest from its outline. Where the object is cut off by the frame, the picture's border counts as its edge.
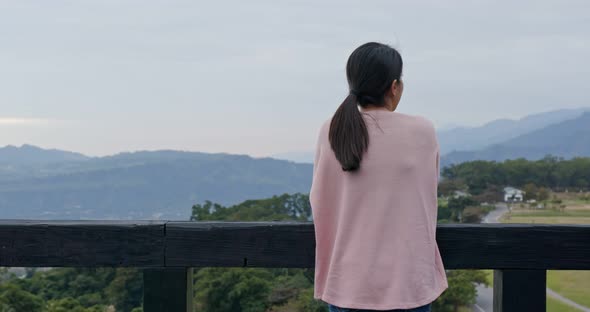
(490, 276)
(574, 285)
(554, 305)
(569, 215)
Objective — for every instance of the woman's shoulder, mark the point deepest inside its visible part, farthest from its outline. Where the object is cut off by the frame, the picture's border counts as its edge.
(418, 120)
(323, 130)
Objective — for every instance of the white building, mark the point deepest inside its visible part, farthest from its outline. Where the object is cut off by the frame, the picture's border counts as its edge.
(512, 194)
(457, 194)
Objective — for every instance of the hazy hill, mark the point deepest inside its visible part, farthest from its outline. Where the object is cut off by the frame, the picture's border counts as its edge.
(501, 130)
(38, 183)
(32, 155)
(146, 185)
(566, 139)
(477, 138)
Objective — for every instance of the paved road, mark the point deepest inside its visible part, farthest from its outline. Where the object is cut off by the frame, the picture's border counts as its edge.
(485, 299)
(485, 295)
(494, 215)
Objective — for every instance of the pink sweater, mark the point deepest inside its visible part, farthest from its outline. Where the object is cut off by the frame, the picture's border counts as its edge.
(375, 228)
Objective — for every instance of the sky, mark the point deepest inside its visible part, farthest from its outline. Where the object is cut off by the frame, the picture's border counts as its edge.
(259, 77)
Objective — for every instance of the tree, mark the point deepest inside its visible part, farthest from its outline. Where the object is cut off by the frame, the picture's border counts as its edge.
(531, 191)
(447, 187)
(492, 194)
(456, 205)
(126, 289)
(13, 298)
(543, 194)
(284, 207)
(71, 305)
(461, 290)
(472, 214)
(551, 172)
(233, 289)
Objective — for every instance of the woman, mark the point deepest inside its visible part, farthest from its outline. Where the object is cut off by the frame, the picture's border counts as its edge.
(374, 196)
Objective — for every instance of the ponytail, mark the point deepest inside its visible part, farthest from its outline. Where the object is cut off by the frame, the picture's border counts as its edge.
(348, 134)
(370, 71)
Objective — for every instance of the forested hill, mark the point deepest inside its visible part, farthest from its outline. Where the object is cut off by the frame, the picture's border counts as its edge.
(144, 185)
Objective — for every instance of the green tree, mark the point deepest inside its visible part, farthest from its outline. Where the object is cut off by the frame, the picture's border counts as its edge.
(447, 187)
(233, 289)
(492, 194)
(461, 291)
(284, 207)
(531, 191)
(70, 305)
(550, 172)
(126, 289)
(543, 194)
(457, 204)
(15, 299)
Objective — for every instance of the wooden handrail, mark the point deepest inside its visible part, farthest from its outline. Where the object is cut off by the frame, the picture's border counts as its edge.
(520, 253)
(96, 243)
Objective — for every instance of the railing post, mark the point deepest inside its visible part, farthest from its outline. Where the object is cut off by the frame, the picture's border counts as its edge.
(168, 289)
(520, 290)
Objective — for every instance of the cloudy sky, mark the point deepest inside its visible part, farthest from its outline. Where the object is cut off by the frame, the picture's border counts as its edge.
(259, 77)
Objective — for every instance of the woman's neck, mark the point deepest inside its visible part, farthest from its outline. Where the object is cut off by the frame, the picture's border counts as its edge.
(374, 108)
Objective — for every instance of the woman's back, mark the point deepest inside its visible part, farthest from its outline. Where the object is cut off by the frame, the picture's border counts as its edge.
(375, 227)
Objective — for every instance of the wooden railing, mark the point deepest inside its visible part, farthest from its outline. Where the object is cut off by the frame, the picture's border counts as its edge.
(520, 254)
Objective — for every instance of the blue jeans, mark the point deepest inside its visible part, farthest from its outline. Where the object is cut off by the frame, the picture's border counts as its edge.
(424, 308)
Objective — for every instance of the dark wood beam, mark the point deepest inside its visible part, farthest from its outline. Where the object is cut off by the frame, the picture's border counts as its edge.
(271, 244)
(28, 243)
(520, 290)
(168, 289)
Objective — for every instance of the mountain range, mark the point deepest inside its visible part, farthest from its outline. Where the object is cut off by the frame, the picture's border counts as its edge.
(501, 130)
(567, 139)
(52, 184)
(140, 185)
(559, 133)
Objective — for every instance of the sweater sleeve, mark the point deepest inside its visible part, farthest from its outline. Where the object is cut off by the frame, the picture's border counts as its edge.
(318, 145)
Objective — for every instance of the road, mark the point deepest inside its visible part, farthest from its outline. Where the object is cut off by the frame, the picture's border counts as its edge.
(485, 295)
(494, 215)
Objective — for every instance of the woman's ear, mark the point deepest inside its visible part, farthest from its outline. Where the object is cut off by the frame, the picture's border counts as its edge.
(395, 88)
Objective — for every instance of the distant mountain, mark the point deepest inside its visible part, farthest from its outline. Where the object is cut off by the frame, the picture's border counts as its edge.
(477, 138)
(33, 155)
(53, 184)
(498, 131)
(146, 185)
(566, 139)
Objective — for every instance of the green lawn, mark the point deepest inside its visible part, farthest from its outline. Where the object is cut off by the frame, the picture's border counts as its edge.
(490, 276)
(547, 216)
(574, 285)
(551, 213)
(554, 305)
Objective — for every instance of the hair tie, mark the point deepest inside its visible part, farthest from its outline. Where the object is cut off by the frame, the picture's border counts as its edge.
(363, 99)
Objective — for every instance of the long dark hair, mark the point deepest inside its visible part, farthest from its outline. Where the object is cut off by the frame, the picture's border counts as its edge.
(370, 70)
